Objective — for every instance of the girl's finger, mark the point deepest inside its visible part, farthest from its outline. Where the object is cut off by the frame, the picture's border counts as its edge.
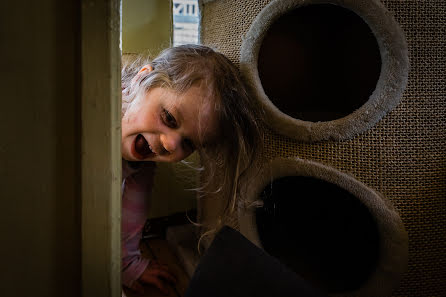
(164, 274)
(155, 281)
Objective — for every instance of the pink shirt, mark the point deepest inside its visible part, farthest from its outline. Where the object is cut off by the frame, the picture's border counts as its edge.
(136, 189)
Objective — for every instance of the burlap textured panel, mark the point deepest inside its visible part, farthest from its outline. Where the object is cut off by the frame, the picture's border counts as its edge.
(403, 156)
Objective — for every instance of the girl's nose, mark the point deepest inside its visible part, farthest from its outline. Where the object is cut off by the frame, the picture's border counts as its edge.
(171, 141)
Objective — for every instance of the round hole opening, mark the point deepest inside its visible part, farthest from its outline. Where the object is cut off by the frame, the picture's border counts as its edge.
(319, 62)
(320, 231)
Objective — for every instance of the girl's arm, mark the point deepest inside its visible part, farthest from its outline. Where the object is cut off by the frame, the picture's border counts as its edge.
(137, 187)
(136, 190)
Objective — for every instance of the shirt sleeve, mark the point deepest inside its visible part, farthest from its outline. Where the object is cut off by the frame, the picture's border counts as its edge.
(136, 192)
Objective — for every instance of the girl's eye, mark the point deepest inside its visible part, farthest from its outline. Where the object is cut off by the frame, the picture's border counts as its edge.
(168, 119)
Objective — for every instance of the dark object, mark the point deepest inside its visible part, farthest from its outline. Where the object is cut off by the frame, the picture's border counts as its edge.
(233, 266)
(156, 227)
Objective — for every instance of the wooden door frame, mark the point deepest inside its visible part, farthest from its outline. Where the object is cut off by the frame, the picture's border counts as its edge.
(100, 148)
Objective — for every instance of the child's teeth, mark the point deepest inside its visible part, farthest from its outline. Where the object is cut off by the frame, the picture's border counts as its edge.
(151, 148)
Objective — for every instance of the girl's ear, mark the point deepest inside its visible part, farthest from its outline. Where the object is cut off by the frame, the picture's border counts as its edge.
(147, 67)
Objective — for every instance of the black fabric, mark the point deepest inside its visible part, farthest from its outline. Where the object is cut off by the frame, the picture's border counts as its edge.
(233, 266)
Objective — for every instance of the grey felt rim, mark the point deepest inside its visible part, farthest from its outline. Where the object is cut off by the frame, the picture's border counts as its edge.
(393, 257)
(390, 86)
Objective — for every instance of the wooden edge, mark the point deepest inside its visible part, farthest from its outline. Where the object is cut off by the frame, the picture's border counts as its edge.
(101, 153)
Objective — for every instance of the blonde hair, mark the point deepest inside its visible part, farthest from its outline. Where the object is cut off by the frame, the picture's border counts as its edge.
(239, 139)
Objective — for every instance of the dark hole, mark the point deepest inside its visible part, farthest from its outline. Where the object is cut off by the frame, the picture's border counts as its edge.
(319, 62)
(319, 230)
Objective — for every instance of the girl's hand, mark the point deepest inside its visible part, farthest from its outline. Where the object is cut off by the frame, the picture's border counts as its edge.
(156, 274)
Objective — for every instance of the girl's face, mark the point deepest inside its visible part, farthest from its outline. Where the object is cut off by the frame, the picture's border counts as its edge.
(163, 126)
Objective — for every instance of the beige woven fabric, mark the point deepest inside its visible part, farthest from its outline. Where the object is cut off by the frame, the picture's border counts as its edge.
(403, 156)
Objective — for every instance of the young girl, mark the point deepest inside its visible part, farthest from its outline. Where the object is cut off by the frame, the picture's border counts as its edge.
(189, 98)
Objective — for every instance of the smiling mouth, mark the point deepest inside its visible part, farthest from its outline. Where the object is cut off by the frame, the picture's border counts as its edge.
(142, 148)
